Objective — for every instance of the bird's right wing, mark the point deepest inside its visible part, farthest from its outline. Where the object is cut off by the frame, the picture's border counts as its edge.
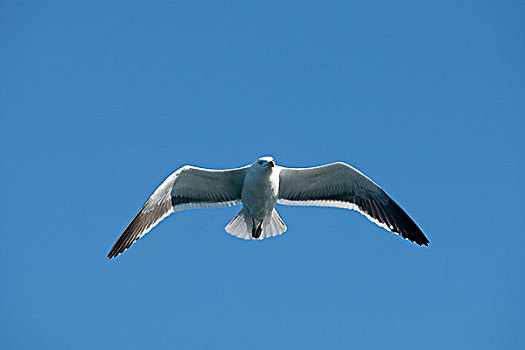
(340, 185)
(187, 188)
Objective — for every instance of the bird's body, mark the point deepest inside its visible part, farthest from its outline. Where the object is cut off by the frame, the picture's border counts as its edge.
(259, 187)
(260, 190)
(259, 195)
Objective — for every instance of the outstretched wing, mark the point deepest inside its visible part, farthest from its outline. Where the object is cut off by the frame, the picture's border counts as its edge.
(187, 188)
(340, 185)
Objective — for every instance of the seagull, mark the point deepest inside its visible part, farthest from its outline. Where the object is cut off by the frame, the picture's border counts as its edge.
(259, 187)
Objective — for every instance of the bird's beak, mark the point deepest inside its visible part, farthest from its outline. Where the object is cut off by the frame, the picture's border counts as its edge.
(271, 163)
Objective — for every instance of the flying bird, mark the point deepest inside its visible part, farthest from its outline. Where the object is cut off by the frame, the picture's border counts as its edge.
(259, 187)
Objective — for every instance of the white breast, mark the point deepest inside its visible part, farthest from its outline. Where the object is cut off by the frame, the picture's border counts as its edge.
(260, 190)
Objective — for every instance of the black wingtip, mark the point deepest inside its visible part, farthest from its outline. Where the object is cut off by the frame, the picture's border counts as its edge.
(112, 253)
(413, 233)
(424, 243)
(116, 250)
(417, 236)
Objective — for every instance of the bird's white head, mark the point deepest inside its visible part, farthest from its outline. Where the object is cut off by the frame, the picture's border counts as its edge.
(264, 163)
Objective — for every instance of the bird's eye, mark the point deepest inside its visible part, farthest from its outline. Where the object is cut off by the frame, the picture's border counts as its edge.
(260, 162)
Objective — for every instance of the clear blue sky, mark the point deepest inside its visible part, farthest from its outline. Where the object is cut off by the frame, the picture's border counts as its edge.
(100, 102)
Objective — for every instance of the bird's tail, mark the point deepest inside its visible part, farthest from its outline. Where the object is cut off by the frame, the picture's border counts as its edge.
(246, 227)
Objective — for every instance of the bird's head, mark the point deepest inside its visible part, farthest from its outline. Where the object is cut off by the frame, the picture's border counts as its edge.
(264, 163)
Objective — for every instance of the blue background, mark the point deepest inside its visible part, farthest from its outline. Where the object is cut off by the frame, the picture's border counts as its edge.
(101, 101)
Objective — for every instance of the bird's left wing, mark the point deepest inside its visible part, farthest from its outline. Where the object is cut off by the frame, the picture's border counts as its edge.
(340, 185)
(187, 188)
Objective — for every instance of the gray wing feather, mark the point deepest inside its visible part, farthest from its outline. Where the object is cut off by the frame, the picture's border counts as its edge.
(342, 186)
(187, 188)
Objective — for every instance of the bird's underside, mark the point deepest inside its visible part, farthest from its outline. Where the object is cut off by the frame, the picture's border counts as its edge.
(333, 185)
